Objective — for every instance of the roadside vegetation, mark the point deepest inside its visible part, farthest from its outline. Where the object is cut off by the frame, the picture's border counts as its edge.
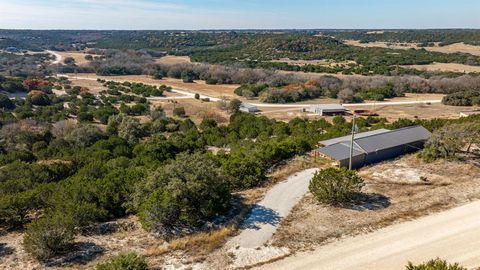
(436, 264)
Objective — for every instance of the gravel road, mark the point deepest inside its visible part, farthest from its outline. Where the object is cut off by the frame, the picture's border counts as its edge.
(453, 235)
(265, 216)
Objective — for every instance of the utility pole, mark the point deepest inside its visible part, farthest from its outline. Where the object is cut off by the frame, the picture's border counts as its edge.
(351, 143)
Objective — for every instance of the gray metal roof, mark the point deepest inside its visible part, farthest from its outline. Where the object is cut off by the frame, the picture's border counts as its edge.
(340, 151)
(357, 136)
(248, 106)
(393, 138)
(327, 107)
(376, 142)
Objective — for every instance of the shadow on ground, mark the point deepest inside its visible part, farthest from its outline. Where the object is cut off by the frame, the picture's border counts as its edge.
(369, 201)
(82, 253)
(260, 215)
(5, 250)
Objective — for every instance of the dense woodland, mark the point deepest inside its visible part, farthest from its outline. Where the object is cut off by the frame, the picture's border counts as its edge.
(423, 37)
(254, 49)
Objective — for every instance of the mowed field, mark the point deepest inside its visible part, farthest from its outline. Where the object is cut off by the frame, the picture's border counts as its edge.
(452, 48)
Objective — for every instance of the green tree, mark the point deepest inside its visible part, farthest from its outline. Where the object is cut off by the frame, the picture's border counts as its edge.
(128, 261)
(6, 103)
(49, 236)
(234, 105)
(183, 194)
(335, 185)
(130, 130)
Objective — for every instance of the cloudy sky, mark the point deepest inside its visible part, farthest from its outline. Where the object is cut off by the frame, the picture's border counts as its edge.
(238, 14)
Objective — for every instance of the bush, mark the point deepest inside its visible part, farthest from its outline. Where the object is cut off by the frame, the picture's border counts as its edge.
(179, 111)
(49, 236)
(129, 261)
(436, 264)
(335, 185)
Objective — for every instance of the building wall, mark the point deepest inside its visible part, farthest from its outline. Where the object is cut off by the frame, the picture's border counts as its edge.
(386, 154)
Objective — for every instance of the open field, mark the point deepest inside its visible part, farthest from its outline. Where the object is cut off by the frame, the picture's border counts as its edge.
(283, 112)
(395, 191)
(452, 48)
(78, 56)
(172, 59)
(446, 67)
(197, 87)
(329, 63)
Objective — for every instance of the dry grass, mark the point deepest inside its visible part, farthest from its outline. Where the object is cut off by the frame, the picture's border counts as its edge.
(452, 48)
(200, 243)
(172, 59)
(414, 111)
(218, 90)
(78, 56)
(446, 67)
(396, 193)
(329, 63)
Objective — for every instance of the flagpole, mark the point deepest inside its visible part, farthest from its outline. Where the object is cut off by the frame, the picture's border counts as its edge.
(351, 143)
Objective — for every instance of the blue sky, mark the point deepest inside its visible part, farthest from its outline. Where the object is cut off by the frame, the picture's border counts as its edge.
(238, 14)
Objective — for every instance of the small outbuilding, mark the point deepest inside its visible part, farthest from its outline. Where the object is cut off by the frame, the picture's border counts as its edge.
(248, 108)
(375, 146)
(327, 109)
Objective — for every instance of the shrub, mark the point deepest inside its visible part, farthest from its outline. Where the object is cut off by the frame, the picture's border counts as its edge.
(335, 185)
(179, 111)
(129, 261)
(49, 236)
(436, 264)
(197, 96)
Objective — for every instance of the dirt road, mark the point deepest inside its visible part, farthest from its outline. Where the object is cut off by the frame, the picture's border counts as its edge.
(265, 216)
(453, 235)
(58, 57)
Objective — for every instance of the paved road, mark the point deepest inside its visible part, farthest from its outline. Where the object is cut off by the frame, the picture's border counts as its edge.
(453, 235)
(265, 216)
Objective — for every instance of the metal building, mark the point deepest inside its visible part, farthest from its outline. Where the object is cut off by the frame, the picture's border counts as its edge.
(248, 108)
(327, 109)
(375, 146)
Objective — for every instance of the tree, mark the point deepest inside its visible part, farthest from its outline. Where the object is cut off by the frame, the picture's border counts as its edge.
(234, 105)
(49, 236)
(69, 61)
(182, 195)
(179, 111)
(6, 103)
(436, 264)
(208, 123)
(128, 261)
(84, 135)
(130, 130)
(39, 98)
(335, 186)
(449, 140)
